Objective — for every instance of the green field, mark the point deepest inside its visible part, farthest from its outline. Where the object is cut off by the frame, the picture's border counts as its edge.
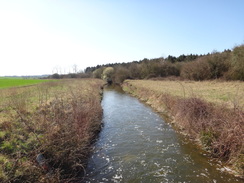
(16, 82)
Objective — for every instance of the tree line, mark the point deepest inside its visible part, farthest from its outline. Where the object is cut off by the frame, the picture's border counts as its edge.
(227, 65)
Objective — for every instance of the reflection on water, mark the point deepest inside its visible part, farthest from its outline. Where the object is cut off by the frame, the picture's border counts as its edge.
(136, 145)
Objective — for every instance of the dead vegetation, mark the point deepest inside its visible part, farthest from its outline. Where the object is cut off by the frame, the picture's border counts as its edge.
(218, 128)
(57, 122)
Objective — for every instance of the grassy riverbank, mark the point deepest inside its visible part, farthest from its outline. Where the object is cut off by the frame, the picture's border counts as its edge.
(57, 120)
(210, 113)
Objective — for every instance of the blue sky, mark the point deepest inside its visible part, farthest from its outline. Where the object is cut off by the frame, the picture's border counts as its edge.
(49, 36)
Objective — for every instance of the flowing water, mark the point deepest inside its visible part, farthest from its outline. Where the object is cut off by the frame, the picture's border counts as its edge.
(136, 145)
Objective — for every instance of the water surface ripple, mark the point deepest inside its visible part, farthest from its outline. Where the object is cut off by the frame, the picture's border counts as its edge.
(136, 145)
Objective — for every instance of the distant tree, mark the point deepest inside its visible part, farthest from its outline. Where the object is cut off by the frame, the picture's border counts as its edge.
(98, 73)
(88, 70)
(196, 70)
(121, 74)
(72, 75)
(75, 68)
(237, 63)
(171, 59)
(144, 70)
(108, 74)
(228, 64)
(228, 50)
(181, 58)
(134, 71)
(219, 64)
(169, 69)
(56, 76)
(145, 60)
(84, 75)
(191, 57)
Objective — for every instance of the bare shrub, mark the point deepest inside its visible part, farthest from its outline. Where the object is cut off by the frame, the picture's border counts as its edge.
(169, 69)
(134, 71)
(168, 101)
(219, 129)
(192, 114)
(230, 141)
(121, 74)
(219, 64)
(237, 63)
(58, 123)
(196, 70)
(73, 124)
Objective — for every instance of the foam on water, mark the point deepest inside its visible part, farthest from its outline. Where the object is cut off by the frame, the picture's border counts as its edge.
(136, 145)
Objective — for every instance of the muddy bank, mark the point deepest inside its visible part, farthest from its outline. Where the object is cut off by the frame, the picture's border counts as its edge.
(216, 129)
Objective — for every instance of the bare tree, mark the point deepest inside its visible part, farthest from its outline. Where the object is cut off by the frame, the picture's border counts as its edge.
(75, 68)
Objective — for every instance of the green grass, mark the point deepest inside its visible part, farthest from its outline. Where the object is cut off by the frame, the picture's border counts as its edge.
(16, 82)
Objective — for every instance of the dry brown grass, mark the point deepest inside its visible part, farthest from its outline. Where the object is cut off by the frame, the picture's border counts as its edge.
(220, 92)
(218, 128)
(58, 120)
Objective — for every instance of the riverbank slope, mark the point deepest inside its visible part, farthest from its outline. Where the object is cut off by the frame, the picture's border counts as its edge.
(47, 129)
(210, 113)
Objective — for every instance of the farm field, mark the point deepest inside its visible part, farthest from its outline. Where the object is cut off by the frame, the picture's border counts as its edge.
(16, 82)
(218, 92)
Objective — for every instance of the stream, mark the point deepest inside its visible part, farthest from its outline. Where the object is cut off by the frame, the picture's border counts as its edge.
(137, 145)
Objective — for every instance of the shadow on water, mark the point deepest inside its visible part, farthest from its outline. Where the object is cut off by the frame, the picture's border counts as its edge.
(114, 87)
(136, 145)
